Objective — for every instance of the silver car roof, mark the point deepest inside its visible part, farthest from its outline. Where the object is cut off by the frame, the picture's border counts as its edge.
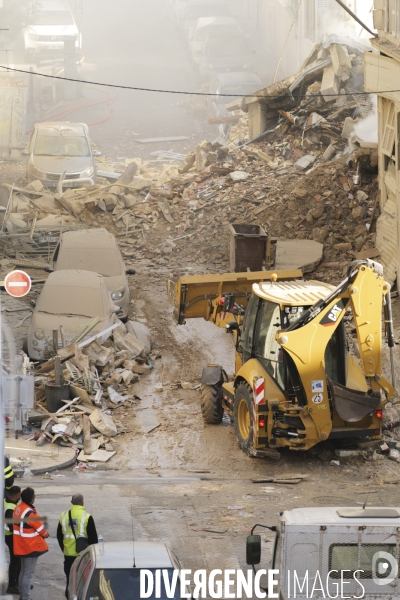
(119, 555)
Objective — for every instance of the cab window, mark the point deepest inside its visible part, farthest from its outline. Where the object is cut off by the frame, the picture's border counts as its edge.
(266, 347)
(353, 557)
(247, 336)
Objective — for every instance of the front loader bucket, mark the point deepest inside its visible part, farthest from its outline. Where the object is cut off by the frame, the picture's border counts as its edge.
(352, 405)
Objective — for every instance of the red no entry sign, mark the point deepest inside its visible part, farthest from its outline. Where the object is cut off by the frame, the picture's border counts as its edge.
(17, 283)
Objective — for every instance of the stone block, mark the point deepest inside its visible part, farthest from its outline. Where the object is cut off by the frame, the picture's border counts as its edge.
(330, 84)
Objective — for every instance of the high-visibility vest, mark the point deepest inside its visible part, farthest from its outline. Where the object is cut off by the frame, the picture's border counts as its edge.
(8, 473)
(28, 537)
(8, 506)
(80, 520)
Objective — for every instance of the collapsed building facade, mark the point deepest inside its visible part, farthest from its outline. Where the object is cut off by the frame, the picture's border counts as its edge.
(291, 28)
(382, 77)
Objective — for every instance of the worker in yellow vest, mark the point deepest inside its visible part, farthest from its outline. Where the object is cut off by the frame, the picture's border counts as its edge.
(14, 568)
(8, 474)
(76, 531)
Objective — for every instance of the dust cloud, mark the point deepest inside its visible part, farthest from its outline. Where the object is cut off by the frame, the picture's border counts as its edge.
(146, 45)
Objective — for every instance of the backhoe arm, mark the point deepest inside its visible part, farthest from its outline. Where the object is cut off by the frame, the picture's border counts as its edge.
(364, 291)
(200, 296)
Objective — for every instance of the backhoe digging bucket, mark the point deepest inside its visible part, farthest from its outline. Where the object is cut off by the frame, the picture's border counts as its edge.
(352, 406)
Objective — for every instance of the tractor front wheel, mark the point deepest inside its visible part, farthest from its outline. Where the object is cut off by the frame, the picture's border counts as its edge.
(211, 404)
(243, 416)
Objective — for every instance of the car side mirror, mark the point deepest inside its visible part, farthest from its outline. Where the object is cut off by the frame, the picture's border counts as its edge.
(33, 303)
(130, 271)
(232, 326)
(253, 549)
(25, 152)
(96, 153)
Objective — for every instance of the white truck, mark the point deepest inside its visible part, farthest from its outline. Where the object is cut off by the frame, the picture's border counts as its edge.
(333, 553)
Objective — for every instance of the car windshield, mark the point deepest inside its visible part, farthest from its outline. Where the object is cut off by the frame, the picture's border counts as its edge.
(228, 92)
(208, 10)
(71, 300)
(124, 584)
(215, 31)
(227, 47)
(100, 260)
(53, 17)
(54, 145)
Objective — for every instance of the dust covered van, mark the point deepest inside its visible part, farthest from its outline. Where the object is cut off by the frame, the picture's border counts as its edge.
(338, 552)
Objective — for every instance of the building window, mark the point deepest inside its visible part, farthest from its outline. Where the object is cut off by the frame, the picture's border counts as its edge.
(389, 131)
(321, 6)
(310, 21)
(394, 17)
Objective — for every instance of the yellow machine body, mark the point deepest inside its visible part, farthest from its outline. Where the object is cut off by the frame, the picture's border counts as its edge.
(295, 383)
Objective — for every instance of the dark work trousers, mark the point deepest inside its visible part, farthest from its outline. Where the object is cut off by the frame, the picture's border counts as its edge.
(14, 568)
(68, 562)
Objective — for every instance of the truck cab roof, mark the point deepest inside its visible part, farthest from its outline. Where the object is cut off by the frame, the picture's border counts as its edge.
(335, 515)
(293, 293)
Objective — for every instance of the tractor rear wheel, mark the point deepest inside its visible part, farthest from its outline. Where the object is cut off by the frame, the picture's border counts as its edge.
(243, 416)
(211, 404)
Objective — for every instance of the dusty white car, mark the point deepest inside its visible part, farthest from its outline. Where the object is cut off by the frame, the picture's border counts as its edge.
(96, 250)
(71, 299)
(209, 26)
(224, 54)
(53, 24)
(59, 147)
(196, 9)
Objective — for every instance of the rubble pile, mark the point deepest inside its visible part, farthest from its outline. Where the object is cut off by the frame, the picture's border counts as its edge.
(101, 380)
(309, 177)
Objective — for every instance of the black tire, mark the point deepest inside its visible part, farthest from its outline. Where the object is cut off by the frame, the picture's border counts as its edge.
(243, 416)
(211, 404)
(25, 346)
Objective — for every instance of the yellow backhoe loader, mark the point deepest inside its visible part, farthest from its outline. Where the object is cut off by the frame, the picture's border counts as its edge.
(296, 382)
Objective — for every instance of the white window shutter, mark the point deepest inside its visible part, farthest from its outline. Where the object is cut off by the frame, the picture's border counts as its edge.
(389, 134)
(321, 6)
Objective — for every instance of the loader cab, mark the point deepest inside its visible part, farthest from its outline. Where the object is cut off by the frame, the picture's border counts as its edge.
(258, 340)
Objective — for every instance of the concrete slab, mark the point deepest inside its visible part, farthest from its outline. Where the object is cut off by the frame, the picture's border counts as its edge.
(38, 459)
(298, 254)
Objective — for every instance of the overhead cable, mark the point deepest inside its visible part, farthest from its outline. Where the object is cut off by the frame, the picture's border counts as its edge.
(205, 94)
